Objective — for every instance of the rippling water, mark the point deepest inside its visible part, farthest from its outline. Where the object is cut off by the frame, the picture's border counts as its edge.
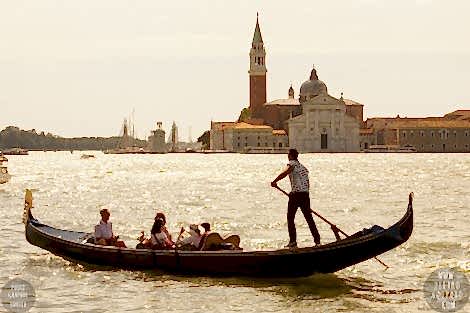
(232, 192)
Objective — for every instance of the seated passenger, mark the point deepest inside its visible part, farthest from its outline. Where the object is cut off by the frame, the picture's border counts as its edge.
(104, 232)
(159, 240)
(191, 242)
(164, 229)
(144, 242)
(207, 231)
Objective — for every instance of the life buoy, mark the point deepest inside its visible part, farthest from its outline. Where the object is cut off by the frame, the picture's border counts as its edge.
(4, 170)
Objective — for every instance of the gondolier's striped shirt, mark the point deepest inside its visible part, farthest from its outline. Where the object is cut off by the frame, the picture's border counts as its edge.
(298, 177)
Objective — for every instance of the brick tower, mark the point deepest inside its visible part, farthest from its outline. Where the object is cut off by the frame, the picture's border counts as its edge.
(257, 74)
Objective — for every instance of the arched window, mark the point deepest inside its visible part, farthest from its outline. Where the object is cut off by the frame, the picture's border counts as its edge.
(280, 145)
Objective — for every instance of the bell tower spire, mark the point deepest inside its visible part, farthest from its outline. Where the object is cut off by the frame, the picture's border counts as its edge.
(257, 73)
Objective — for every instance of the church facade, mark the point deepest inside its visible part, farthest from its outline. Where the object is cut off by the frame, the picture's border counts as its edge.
(323, 125)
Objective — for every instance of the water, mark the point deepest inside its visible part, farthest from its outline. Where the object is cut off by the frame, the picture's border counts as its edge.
(232, 192)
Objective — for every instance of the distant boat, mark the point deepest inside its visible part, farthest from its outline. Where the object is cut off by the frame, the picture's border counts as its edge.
(4, 175)
(87, 156)
(15, 151)
(265, 150)
(390, 149)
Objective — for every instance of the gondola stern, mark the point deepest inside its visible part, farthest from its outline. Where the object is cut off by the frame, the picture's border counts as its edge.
(402, 230)
(406, 227)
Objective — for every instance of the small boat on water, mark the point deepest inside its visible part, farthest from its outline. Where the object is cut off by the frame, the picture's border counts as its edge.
(87, 156)
(15, 151)
(390, 149)
(127, 150)
(4, 175)
(328, 258)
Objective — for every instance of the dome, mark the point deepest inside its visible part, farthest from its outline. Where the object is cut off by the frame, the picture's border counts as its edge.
(312, 87)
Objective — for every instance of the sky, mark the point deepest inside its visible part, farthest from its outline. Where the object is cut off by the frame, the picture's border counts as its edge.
(78, 68)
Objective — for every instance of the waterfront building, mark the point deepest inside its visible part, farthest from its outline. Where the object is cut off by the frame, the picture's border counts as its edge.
(173, 138)
(244, 137)
(323, 124)
(156, 141)
(449, 133)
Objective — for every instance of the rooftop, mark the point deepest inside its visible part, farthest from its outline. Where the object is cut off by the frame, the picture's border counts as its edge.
(352, 102)
(222, 125)
(290, 101)
(429, 123)
(243, 125)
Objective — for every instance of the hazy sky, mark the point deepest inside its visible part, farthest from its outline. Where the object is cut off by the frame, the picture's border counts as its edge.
(77, 68)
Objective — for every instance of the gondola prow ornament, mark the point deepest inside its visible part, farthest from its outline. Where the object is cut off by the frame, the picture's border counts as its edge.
(28, 204)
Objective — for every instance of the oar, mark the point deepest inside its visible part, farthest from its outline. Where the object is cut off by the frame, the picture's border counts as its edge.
(177, 239)
(333, 226)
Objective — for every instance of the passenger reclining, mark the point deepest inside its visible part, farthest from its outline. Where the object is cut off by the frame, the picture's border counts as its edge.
(213, 241)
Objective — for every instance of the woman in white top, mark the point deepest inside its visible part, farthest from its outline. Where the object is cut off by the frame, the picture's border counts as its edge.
(159, 239)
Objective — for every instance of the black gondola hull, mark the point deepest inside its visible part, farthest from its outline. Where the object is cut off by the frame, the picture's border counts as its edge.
(277, 263)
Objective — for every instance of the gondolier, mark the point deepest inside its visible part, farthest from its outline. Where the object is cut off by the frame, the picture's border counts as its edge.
(298, 197)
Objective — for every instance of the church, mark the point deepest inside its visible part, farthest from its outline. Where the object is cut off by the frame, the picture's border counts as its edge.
(315, 122)
(324, 124)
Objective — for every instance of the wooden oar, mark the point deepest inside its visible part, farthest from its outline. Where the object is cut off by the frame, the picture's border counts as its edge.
(177, 239)
(333, 226)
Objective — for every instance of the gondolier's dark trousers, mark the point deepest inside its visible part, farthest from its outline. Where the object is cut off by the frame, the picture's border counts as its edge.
(302, 200)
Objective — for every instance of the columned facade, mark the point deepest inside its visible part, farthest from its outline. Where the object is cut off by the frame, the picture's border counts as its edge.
(323, 125)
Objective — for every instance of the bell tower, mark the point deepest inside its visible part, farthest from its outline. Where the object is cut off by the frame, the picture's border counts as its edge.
(257, 73)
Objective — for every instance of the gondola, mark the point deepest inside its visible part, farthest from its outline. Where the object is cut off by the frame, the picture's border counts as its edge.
(327, 258)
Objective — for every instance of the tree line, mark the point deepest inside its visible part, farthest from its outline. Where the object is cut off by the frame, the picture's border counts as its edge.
(13, 137)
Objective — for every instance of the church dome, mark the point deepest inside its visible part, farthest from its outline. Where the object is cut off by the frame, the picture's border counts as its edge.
(312, 87)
